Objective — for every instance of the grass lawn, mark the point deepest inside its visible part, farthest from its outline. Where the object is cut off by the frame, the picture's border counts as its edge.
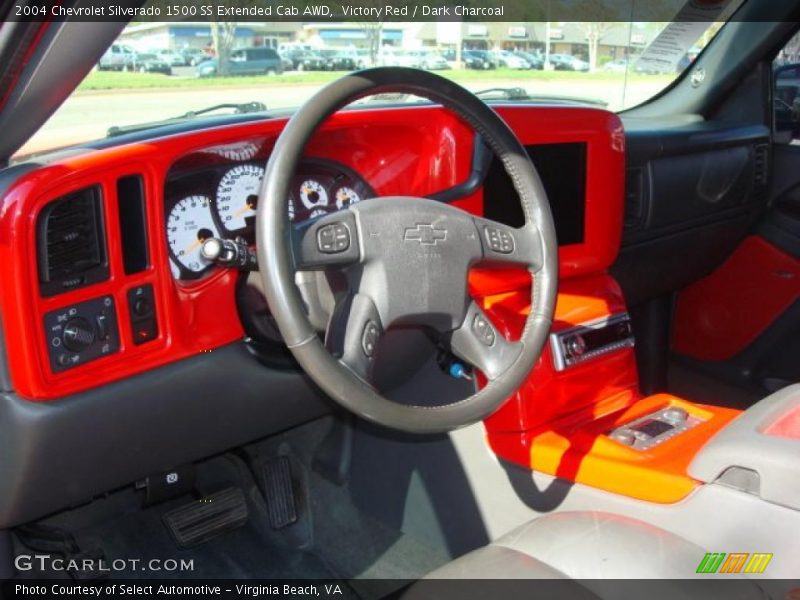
(111, 80)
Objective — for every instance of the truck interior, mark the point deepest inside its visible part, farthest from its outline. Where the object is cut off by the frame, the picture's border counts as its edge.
(551, 341)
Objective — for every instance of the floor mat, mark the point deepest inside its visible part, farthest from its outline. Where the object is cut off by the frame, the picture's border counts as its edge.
(125, 532)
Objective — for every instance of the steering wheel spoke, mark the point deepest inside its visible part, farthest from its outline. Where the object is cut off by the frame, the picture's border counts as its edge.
(479, 343)
(326, 242)
(502, 244)
(354, 333)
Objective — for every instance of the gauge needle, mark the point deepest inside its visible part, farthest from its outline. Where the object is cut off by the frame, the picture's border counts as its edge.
(243, 210)
(194, 246)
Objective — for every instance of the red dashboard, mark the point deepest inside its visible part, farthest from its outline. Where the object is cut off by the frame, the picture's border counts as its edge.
(410, 151)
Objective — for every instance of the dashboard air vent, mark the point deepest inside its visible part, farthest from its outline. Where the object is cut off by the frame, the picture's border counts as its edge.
(71, 245)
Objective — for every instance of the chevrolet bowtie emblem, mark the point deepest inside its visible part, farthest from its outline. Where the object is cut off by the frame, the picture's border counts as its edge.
(426, 234)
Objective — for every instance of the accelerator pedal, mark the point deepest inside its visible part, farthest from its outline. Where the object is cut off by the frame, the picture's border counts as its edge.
(203, 520)
(279, 492)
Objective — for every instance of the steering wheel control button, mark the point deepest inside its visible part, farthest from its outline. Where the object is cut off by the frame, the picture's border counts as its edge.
(333, 238)
(369, 339)
(483, 330)
(499, 240)
(80, 333)
(141, 305)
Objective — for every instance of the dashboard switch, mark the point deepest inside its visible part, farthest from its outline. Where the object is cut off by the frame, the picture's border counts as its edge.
(141, 304)
(79, 333)
(334, 238)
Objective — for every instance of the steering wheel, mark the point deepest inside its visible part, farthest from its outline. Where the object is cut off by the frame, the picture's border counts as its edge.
(406, 262)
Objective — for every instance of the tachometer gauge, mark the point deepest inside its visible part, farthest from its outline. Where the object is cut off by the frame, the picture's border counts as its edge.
(237, 195)
(345, 196)
(190, 224)
(312, 194)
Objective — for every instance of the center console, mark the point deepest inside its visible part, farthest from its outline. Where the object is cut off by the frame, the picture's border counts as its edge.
(580, 415)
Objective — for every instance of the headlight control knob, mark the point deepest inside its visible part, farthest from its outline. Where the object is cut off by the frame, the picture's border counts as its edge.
(78, 334)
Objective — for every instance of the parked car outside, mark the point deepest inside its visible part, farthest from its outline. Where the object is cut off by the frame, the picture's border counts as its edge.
(535, 60)
(171, 57)
(193, 56)
(304, 59)
(431, 61)
(567, 62)
(116, 58)
(619, 65)
(509, 60)
(149, 62)
(478, 59)
(390, 57)
(245, 61)
(336, 60)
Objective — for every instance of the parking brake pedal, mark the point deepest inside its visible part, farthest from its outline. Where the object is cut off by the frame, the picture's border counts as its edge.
(205, 519)
(279, 492)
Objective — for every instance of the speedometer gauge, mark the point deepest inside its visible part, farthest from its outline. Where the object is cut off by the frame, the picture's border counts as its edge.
(237, 195)
(313, 194)
(189, 225)
(345, 196)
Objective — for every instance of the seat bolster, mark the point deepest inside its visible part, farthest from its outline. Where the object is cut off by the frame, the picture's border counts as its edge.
(592, 545)
(496, 562)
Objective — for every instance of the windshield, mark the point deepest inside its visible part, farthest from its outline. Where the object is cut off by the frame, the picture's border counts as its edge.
(157, 71)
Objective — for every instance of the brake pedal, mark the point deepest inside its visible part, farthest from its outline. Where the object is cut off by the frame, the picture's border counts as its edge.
(279, 492)
(207, 518)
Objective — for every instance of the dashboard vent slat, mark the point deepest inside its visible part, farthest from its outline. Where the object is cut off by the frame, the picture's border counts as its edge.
(71, 244)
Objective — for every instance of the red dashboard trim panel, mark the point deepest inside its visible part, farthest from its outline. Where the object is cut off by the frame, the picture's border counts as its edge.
(199, 316)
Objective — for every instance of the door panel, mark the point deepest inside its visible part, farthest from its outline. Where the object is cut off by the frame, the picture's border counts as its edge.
(720, 315)
(741, 323)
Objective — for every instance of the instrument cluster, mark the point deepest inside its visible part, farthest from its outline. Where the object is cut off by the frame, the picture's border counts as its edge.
(221, 202)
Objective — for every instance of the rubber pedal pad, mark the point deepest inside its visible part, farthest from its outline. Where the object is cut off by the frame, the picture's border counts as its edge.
(279, 492)
(205, 519)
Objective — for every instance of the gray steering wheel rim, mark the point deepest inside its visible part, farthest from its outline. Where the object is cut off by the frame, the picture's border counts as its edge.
(273, 234)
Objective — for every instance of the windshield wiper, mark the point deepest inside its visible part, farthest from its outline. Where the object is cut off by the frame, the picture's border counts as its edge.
(520, 94)
(237, 109)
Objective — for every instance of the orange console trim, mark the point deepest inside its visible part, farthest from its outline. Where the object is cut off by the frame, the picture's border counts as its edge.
(557, 422)
(576, 448)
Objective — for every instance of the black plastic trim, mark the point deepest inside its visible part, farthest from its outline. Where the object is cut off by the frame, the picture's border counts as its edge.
(62, 453)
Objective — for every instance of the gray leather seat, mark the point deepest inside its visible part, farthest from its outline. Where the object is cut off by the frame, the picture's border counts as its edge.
(589, 546)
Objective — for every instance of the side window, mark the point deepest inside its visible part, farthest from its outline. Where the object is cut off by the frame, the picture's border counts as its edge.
(115, 50)
(237, 56)
(270, 54)
(786, 92)
(256, 54)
